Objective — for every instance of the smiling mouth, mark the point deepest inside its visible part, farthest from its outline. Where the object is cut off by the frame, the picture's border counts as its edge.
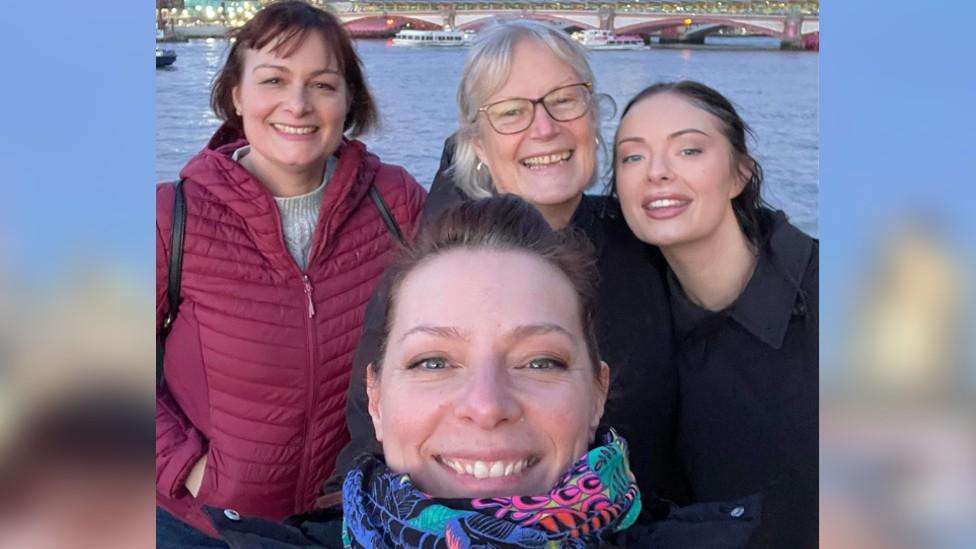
(295, 130)
(546, 160)
(665, 203)
(487, 469)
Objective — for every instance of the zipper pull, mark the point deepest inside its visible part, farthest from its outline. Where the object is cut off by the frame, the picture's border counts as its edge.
(308, 295)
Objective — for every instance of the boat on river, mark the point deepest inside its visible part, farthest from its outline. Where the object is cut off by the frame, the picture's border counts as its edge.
(435, 38)
(165, 58)
(606, 40)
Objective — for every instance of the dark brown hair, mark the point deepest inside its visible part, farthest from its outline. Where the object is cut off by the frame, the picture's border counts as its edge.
(505, 223)
(749, 204)
(287, 24)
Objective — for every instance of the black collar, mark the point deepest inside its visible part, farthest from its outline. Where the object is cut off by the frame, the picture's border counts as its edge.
(772, 296)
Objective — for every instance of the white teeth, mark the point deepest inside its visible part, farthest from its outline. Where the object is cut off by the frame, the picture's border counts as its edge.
(665, 203)
(295, 130)
(481, 469)
(546, 159)
(497, 469)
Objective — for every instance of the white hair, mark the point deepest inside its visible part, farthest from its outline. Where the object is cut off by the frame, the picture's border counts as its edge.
(485, 72)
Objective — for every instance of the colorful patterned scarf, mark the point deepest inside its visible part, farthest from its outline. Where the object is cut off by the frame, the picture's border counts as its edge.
(594, 499)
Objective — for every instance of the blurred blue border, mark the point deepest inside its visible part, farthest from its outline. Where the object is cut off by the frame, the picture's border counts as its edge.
(77, 141)
(898, 134)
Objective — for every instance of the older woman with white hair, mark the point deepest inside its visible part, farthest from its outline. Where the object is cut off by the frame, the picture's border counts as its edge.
(528, 116)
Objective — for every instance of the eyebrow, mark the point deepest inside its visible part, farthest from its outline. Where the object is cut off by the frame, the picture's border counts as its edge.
(568, 83)
(519, 332)
(285, 69)
(678, 133)
(447, 332)
(530, 330)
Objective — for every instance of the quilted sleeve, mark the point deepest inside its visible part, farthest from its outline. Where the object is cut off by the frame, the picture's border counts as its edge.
(178, 444)
(415, 196)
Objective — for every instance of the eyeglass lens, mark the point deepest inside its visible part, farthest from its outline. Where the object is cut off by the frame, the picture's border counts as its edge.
(563, 105)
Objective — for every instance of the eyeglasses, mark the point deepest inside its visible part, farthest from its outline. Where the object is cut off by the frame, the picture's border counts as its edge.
(564, 104)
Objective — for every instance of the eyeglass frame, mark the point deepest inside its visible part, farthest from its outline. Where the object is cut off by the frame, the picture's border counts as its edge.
(539, 101)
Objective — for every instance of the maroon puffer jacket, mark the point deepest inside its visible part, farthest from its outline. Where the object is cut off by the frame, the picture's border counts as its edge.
(258, 360)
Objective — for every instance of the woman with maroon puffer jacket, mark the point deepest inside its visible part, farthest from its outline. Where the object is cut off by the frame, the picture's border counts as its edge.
(285, 241)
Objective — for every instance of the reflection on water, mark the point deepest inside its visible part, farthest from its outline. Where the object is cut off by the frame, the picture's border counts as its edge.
(776, 92)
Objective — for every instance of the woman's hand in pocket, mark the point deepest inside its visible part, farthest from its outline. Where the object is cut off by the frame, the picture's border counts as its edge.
(195, 478)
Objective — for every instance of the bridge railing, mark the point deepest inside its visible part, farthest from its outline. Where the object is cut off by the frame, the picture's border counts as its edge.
(735, 7)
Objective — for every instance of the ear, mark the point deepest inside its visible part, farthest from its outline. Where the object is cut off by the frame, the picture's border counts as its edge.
(235, 95)
(373, 395)
(744, 167)
(479, 149)
(603, 384)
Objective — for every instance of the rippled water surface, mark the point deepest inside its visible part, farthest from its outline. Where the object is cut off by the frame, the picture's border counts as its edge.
(776, 92)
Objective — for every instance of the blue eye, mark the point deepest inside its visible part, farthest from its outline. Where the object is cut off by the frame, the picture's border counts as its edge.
(690, 152)
(545, 364)
(631, 158)
(433, 363)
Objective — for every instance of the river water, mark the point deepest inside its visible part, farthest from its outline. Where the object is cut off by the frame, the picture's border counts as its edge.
(776, 92)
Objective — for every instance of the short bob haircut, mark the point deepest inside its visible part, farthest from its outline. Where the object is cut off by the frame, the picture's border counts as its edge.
(287, 24)
(485, 72)
(748, 205)
(503, 223)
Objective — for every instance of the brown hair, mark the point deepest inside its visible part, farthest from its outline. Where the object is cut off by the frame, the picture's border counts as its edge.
(505, 223)
(287, 24)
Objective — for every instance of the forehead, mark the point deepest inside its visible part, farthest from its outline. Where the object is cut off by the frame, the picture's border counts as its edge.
(486, 292)
(665, 113)
(293, 48)
(534, 71)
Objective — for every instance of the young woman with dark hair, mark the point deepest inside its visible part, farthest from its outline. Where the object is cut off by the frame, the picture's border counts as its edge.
(743, 286)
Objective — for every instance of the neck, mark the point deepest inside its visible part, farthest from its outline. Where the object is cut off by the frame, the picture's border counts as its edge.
(714, 271)
(284, 183)
(558, 215)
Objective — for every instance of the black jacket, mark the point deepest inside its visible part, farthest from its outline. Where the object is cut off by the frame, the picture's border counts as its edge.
(634, 337)
(662, 526)
(748, 379)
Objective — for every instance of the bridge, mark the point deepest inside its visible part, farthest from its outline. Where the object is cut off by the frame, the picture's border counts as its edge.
(673, 21)
(796, 23)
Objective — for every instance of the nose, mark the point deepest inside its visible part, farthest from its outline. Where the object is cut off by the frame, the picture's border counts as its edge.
(488, 399)
(543, 126)
(297, 100)
(659, 168)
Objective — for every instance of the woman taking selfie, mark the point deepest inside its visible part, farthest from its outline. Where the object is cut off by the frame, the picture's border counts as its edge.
(743, 284)
(486, 401)
(529, 126)
(285, 240)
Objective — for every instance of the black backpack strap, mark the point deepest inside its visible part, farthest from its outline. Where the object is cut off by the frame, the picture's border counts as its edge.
(175, 276)
(388, 220)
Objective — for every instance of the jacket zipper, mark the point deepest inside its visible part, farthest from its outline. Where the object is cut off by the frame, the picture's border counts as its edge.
(308, 295)
(310, 393)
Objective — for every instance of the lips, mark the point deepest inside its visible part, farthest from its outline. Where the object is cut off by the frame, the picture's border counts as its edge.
(485, 469)
(666, 206)
(295, 130)
(546, 160)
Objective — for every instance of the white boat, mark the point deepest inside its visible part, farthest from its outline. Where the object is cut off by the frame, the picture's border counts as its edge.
(426, 38)
(607, 40)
